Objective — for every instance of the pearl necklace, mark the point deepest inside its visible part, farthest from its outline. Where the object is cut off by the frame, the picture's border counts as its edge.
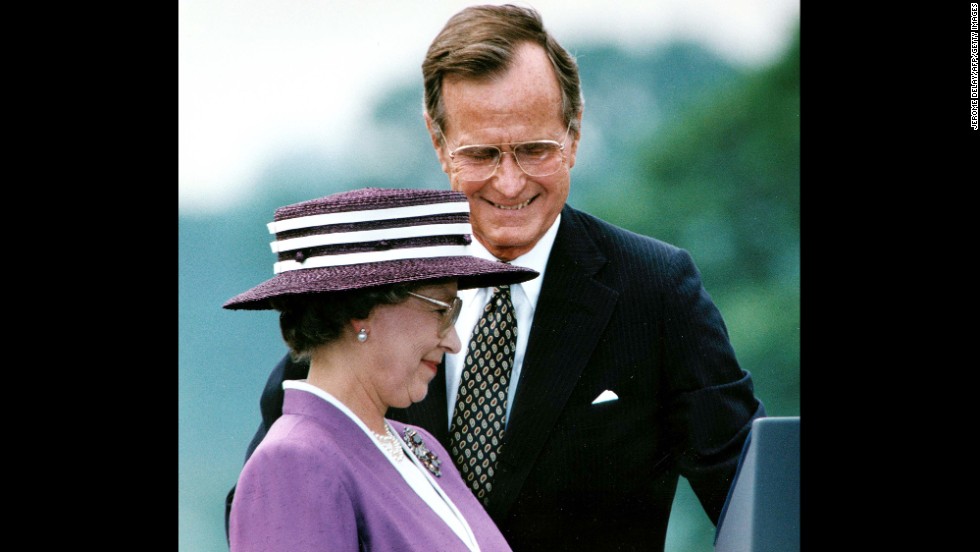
(390, 444)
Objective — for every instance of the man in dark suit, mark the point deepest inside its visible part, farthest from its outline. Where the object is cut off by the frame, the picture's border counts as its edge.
(623, 377)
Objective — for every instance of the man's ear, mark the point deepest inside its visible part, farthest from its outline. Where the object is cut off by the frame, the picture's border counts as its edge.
(573, 149)
(435, 136)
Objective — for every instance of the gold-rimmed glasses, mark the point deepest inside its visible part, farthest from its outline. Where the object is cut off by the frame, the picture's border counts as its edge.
(537, 158)
(449, 315)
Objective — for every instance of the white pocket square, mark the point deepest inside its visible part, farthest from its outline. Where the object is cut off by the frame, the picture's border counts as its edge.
(606, 396)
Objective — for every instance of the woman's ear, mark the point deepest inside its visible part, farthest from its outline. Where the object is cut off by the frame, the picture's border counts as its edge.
(360, 329)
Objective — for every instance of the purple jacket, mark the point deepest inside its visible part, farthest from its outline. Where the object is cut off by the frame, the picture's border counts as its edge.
(318, 483)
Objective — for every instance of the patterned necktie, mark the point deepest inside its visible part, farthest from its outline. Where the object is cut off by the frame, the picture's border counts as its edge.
(480, 414)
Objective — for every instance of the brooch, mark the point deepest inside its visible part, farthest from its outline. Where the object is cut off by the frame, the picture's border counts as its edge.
(428, 459)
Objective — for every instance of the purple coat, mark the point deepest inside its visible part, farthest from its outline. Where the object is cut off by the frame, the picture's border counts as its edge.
(317, 483)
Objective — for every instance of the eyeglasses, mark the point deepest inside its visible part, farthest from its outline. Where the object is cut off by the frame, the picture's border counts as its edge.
(449, 315)
(536, 158)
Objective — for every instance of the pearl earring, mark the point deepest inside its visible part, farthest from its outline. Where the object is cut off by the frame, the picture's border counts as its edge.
(362, 335)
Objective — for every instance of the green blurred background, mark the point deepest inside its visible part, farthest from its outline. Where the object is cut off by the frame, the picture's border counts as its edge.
(677, 144)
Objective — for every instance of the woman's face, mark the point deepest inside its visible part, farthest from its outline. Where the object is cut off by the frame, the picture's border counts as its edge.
(408, 345)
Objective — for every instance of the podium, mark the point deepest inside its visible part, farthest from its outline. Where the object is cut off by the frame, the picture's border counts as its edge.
(762, 511)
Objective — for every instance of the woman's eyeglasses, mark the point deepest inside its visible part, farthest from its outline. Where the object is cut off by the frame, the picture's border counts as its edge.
(449, 315)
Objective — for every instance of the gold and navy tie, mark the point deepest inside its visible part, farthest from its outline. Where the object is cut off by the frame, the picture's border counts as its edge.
(480, 414)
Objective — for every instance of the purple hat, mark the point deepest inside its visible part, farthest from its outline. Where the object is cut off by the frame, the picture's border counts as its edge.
(374, 237)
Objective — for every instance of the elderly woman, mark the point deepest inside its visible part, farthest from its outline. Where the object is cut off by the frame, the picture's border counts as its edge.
(366, 287)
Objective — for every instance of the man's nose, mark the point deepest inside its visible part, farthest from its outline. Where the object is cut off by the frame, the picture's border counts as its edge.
(509, 178)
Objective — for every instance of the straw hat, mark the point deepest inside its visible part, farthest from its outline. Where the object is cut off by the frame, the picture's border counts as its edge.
(374, 237)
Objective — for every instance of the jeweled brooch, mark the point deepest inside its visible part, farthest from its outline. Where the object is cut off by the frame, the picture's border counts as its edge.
(418, 448)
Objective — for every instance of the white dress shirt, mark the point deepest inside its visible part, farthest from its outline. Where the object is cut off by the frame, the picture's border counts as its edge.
(525, 299)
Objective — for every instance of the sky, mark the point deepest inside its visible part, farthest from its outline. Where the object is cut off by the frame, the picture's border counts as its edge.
(258, 78)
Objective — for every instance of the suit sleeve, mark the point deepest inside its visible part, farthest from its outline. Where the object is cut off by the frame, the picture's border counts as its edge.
(712, 402)
(270, 405)
(288, 501)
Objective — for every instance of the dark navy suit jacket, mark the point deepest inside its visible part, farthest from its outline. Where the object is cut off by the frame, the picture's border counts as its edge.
(621, 312)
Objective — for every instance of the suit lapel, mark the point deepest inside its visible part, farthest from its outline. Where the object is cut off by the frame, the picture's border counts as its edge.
(571, 313)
